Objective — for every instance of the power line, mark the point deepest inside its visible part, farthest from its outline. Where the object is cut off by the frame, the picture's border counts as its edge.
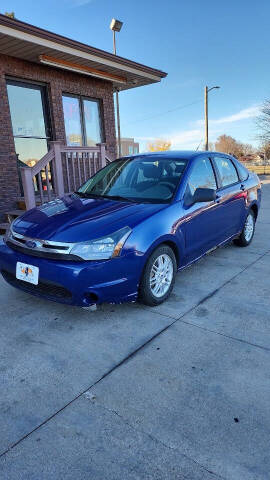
(164, 113)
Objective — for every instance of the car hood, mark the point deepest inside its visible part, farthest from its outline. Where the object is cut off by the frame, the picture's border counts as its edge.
(76, 219)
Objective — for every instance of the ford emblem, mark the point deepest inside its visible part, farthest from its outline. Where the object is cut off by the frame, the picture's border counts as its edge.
(30, 244)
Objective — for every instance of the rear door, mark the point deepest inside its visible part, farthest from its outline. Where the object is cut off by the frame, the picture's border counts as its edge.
(231, 195)
(202, 221)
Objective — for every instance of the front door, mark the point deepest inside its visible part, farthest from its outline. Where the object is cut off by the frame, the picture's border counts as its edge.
(203, 221)
(30, 121)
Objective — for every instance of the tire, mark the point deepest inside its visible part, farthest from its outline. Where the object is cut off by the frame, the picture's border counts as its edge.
(158, 277)
(247, 233)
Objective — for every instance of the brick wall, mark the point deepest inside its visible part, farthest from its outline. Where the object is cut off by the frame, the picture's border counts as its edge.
(58, 82)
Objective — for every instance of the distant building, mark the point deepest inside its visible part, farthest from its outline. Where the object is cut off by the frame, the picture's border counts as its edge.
(253, 158)
(129, 147)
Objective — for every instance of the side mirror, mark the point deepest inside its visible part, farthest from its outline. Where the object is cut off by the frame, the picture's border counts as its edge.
(204, 195)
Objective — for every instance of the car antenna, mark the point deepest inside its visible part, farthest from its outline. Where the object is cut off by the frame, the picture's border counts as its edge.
(199, 145)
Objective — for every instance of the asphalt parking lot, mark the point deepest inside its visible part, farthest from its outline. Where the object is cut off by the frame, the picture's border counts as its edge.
(179, 391)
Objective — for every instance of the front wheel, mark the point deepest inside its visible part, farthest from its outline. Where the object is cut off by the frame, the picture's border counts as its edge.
(248, 231)
(158, 276)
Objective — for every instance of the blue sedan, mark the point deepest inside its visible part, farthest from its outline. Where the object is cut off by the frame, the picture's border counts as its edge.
(127, 231)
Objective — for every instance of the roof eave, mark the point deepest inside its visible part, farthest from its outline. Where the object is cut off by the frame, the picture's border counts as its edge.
(29, 33)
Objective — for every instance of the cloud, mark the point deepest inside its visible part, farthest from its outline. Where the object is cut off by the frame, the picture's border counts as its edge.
(186, 138)
(193, 138)
(244, 114)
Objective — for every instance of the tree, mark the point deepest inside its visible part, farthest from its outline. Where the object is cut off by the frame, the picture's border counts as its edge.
(159, 145)
(263, 123)
(10, 14)
(247, 149)
(228, 144)
(265, 150)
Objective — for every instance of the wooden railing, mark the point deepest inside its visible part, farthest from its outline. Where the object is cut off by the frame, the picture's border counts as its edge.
(62, 170)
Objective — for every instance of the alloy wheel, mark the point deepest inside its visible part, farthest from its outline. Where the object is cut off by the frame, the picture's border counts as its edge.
(161, 275)
(249, 227)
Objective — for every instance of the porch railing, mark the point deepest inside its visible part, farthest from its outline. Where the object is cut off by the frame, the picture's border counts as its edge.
(62, 170)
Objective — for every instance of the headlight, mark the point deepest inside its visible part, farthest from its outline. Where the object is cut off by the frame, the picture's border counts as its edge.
(102, 248)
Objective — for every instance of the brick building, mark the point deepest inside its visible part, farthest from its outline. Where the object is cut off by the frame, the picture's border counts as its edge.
(56, 98)
(129, 146)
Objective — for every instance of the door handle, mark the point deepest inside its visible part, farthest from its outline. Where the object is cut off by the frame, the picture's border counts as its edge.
(242, 187)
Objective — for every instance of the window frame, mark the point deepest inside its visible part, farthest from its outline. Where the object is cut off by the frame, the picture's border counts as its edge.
(43, 88)
(238, 165)
(81, 99)
(219, 181)
(196, 160)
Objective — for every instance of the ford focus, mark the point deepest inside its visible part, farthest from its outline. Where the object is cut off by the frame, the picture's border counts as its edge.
(127, 231)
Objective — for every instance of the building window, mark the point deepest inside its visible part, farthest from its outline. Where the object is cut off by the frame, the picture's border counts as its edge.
(83, 123)
(30, 120)
(130, 150)
(135, 150)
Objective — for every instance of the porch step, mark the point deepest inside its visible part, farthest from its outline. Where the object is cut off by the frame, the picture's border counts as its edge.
(3, 228)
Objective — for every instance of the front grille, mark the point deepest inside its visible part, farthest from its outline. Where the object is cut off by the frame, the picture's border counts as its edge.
(43, 253)
(47, 289)
(40, 248)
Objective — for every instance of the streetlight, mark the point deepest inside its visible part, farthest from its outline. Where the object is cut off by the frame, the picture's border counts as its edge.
(116, 26)
(206, 91)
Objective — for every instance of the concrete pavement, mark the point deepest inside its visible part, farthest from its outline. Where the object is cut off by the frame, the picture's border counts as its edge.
(179, 391)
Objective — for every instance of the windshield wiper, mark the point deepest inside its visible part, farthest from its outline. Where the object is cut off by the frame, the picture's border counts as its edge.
(88, 195)
(108, 197)
(118, 197)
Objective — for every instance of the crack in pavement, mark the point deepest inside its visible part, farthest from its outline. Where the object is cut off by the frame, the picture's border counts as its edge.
(153, 438)
(133, 353)
(207, 297)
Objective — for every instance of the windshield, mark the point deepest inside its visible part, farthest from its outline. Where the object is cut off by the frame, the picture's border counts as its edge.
(137, 179)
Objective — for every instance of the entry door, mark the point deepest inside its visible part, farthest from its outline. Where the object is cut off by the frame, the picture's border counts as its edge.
(30, 121)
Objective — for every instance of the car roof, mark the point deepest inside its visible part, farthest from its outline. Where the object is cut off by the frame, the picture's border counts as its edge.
(178, 154)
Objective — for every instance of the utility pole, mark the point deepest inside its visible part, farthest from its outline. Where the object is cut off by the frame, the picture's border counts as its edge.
(117, 106)
(116, 26)
(206, 116)
(206, 91)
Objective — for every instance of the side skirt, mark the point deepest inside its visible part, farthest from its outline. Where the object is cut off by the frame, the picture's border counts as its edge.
(222, 244)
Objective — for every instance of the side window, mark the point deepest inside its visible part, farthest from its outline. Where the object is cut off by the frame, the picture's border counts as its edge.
(227, 171)
(243, 171)
(202, 176)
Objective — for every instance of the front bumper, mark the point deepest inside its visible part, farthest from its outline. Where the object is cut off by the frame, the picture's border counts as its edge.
(81, 283)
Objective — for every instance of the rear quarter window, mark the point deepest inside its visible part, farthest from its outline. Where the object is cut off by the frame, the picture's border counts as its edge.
(242, 171)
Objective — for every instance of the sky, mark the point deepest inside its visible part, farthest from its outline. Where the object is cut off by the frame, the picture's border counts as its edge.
(198, 43)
